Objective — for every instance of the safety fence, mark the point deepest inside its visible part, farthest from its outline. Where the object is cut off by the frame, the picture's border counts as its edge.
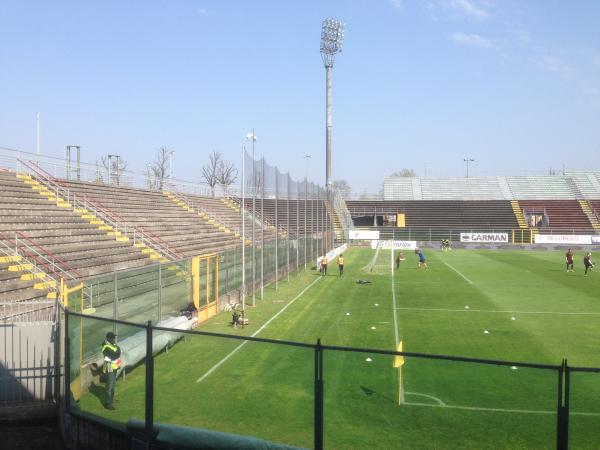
(323, 396)
(163, 290)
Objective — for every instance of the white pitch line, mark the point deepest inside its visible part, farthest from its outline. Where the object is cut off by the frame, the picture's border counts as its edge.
(435, 399)
(558, 313)
(463, 277)
(217, 365)
(478, 408)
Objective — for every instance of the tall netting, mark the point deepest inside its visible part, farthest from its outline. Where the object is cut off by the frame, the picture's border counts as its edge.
(285, 225)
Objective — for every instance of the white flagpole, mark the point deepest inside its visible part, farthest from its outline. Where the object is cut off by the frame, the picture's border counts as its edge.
(243, 228)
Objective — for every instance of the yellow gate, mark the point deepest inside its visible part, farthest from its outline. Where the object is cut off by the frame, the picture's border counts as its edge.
(205, 285)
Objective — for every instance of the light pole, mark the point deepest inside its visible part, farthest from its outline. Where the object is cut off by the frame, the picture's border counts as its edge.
(171, 172)
(252, 137)
(307, 158)
(110, 163)
(332, 38)
(467, 161)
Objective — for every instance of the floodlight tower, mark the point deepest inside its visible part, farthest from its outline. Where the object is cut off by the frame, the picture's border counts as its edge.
(332, 38)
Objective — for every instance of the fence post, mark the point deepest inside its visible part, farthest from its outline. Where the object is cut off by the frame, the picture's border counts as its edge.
(115, 300)
(562, 432)
(160, 292)
(149, 385)
(67, 363)
(318, 396)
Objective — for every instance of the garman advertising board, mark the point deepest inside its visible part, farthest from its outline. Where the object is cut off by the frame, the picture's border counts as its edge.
(367, 235)
(397, 245)
(577, 239)
(596, 240)
(484, 237)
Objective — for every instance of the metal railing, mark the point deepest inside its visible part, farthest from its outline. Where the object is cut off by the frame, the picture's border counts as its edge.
(95, 208)
(137, 234)
(560, 395)
(211, 213)
(97, 173)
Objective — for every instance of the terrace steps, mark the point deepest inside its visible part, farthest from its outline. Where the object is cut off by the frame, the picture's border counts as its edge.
(518, 213)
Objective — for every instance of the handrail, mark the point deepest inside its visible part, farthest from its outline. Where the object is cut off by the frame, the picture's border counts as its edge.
(14, 251)
(47, 179)
(113, 219)
(209, 212)
(158, 239)
(68, 269)
(37, 168)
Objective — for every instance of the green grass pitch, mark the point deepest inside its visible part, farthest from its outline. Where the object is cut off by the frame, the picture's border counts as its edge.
(532, 309)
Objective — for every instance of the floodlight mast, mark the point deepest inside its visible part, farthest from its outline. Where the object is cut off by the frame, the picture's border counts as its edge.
(332, 38)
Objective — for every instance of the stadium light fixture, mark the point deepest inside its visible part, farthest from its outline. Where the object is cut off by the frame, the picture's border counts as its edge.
(467, 161)
(332, 39)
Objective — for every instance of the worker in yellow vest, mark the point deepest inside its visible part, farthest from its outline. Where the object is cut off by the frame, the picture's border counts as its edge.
(341, 264)
(324, 265)
(112, 363)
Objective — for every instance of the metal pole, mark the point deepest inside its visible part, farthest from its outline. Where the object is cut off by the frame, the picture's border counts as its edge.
(319, 396)
(78, 163)
(297, 228)
(149, 416)
(276, 230)
(288, 226)
(318, 224)
(305, 200)
(67, 387)
(253, 222)
(115, 300)
(160, 292)
(329, 123)
(262, 232)
(68, 161)
(312, 220)
(243, 229)
(37, 135)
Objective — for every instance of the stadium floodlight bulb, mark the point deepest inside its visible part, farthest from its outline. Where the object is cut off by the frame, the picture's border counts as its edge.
(332, 38)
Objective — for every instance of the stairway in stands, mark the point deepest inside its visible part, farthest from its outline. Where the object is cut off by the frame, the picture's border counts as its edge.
(518, 213)
(589, 212)
(338, 229)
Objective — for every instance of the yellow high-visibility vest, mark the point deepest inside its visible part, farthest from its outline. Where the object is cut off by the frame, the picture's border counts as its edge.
(116, 363)
(341, 261)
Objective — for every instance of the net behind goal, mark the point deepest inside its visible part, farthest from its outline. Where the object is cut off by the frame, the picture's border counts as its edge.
(381, 263)
(385, 254)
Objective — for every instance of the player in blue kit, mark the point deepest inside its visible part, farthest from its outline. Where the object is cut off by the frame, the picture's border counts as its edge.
(422, 259)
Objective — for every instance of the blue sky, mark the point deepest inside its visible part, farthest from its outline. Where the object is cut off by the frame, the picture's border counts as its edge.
(420, 84)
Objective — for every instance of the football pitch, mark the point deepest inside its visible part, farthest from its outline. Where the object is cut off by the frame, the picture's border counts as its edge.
(504, 305)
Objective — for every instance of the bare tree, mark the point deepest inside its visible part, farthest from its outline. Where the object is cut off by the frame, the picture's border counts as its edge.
(407, 173)
(343, 188)
(115, 166)
(226, 173)
(210, 172)
(160, 169)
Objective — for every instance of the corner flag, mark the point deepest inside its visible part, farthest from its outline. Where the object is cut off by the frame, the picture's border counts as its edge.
(398, 363)
(399, 359)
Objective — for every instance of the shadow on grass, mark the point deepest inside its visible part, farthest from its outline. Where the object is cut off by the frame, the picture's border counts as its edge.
(372, 393)
(98, 392)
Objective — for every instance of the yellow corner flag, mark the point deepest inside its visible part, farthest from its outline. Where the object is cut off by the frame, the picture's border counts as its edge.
(398, 363)
(399, 359)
